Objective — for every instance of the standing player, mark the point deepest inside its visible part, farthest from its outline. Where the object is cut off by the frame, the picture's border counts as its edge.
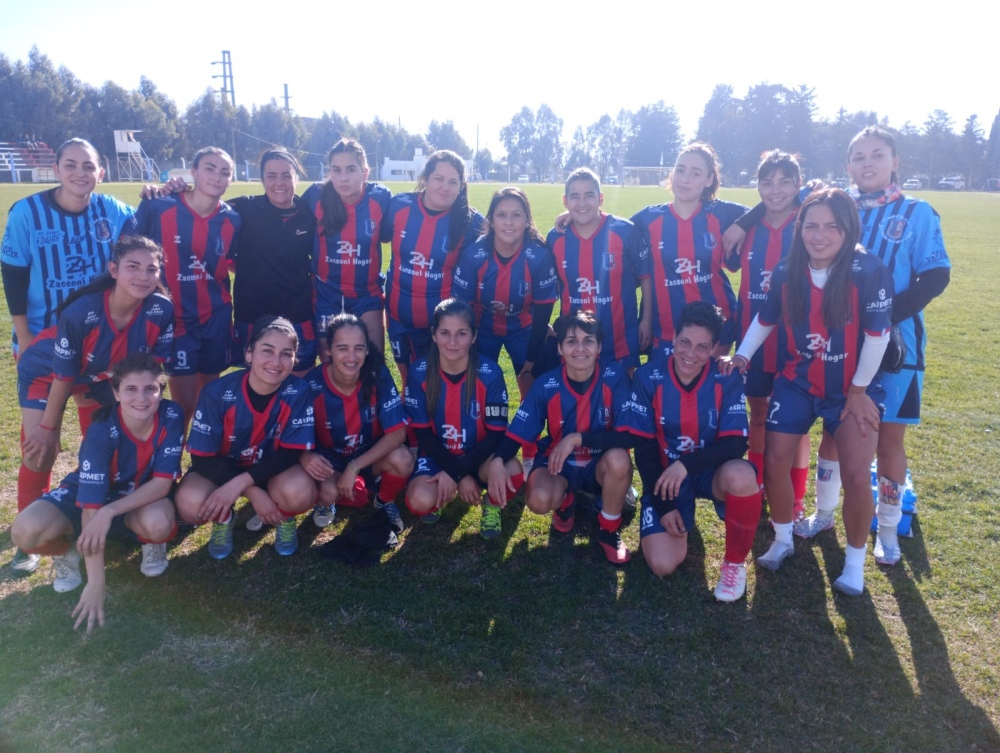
(586, 447)
(120, 312)
(778, 182)
(509, 277)
(601, 260)
(684, 238)
(835, 304)
(360, 423)
(690, 423)
(128, 462)
(58, 240)
(426, 230)
(457, 403)
(249, 430)
(347, 254)
(905, 233)
(272, 262)
(197, 231)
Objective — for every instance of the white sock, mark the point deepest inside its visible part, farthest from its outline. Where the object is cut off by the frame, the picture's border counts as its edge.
(889, 510)
(827, 485)
(854, 567)
(783, 533)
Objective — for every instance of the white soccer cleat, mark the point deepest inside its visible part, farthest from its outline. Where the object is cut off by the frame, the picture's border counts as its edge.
(732, 582)
(154, 559)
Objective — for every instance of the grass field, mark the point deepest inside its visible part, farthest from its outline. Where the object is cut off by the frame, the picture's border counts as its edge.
(532, 644)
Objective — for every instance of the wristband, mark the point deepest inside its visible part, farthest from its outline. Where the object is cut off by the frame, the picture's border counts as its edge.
(46, 428)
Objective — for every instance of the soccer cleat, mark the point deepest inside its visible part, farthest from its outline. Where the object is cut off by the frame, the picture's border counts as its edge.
(564, 518)
(614, 548)
(67, 568)
(430, 518)
(23, 563)
(774, 556)
(886, 553)
(255, 523)
(323, 515)
(732, 582)
(220, 545)
(489, 526)
(814, 524)
(391, 512)
(286, 537)
(154, 559)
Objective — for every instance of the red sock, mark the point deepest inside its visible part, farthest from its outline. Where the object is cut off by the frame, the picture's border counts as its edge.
(390, 487)
(607, 524)
(54, 548)
(529, 451)
(31, 485)
(518, 481)
(86, 416)
(800, 477)
(757, 458)
(742, 516)
(567, 501)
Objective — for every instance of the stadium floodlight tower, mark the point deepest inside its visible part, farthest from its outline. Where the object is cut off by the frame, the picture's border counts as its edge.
(133, 162)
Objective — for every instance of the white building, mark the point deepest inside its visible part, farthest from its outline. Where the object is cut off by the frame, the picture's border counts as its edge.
(409, 170)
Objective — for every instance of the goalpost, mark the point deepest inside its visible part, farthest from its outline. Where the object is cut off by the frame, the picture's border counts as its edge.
(645, 176)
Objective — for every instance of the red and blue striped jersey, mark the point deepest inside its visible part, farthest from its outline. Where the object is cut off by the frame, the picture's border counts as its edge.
(819, 361)
(502, 291)
(687, 260)
(423, 258)
(760, 253)
(114, 463)
(346, 427)
(459, 427)
(85, 346)
(195, 269)
(601, 274)
(62, 250)
(553, 403)
(226, 424)
(682, 420)
(348, 264)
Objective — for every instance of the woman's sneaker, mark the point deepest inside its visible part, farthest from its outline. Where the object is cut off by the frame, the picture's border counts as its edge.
(220, 545)
(154, 559)
(286, 537)
(489, 526)
(23, 563)
(67, 569)
(323, 515)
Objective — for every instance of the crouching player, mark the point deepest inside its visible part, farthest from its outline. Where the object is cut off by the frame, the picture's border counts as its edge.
(248, 432)
(128, 462)
(690, 424)
(360, 424)
(456, 401)
(587, 444)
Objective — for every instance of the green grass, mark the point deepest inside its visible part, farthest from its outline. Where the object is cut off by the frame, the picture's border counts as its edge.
(534, 644)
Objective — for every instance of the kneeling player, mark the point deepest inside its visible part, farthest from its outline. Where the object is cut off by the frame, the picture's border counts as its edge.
(249, 431)
(581, 406)
(691, 425)
(128, 461)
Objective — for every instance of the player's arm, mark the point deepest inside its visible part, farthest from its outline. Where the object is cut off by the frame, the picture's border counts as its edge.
(90, 608)
(15, 287)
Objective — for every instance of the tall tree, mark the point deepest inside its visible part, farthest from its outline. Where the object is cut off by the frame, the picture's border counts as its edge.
(518, 137)
(973, 153)
(444, 136)
(546, 149)
(657, 136)
(941, 145)
(579, 152)
(484, 163)
(993, 156)
(602, 144)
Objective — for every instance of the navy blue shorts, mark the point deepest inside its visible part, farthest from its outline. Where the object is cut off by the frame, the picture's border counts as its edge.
(408, 345)
(579, 478)
(692, 488)
(758, 383)
(204, 348)
(64, 499)
(516, 344)
(793, 411)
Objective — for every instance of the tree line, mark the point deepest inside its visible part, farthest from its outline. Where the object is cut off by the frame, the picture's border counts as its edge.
(52, 104)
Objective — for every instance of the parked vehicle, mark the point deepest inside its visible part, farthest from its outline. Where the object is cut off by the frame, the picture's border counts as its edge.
(952, 183)
(913, 183)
